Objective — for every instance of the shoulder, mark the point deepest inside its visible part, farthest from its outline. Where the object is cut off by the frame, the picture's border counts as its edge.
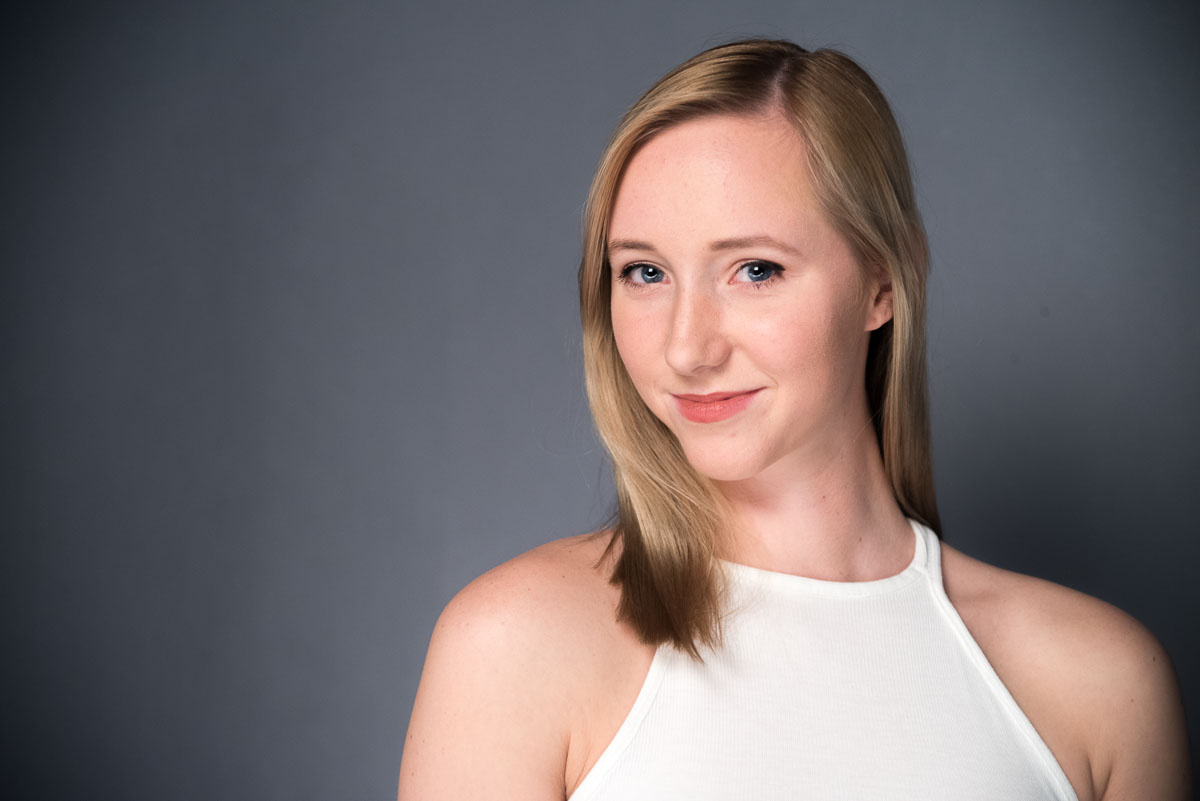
(1099, 681)
(493, 707)
(539, 604)
(565, 569)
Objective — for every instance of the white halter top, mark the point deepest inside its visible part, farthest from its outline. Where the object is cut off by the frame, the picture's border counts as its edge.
(830, 690)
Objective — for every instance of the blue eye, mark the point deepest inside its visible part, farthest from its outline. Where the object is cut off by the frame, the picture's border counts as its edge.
(642, 274)
(760, 272)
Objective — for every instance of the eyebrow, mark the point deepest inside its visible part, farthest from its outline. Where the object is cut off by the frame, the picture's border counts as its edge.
(718, 245)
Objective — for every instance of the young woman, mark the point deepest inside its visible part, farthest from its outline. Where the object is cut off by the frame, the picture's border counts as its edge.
(773, 614)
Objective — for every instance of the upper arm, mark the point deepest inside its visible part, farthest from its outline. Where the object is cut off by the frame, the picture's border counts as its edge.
(1139, 716)
(488, 718)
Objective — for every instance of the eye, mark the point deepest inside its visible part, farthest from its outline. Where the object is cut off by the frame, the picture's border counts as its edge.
(640, 273)
(759, 271)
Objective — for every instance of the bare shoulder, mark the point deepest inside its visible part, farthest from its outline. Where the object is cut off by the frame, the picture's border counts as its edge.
(1095, 682)
(493, 708)
(551, 602)
(564, 570)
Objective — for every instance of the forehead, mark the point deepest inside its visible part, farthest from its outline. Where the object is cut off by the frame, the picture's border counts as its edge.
(719, 175)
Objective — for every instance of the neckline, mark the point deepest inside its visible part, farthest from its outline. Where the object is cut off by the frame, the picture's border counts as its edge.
(788, 582)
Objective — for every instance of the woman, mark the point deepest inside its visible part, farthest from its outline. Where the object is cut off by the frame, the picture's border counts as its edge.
(773, 614)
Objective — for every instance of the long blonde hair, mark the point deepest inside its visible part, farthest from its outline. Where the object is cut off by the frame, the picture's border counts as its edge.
(669, 517)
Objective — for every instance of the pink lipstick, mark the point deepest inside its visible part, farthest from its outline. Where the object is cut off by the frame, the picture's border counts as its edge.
(714, 407)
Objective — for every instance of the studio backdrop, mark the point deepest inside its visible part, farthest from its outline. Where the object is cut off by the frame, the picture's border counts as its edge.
(292, 352)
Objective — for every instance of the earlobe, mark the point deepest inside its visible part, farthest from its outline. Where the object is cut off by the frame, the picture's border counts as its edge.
(881, 303)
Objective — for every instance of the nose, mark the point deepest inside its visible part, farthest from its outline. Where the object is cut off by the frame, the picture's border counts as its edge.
(697, 341)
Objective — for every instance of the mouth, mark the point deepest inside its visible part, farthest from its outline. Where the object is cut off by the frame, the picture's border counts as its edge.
(715, 406)
(715, 396)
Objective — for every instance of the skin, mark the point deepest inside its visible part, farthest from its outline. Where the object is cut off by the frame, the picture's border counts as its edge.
(529, 675)
(800, 466)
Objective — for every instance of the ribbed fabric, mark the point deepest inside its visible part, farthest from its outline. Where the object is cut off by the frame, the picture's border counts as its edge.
(830, 690)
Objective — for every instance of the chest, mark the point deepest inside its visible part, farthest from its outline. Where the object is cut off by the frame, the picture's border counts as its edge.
(794, 713)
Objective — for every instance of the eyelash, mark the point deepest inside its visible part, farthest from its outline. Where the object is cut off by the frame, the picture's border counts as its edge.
(776, 269)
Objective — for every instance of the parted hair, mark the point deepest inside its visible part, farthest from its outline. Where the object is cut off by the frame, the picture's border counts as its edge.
(670, 518)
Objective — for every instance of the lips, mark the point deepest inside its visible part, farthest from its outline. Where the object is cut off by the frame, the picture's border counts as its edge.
(716, 396)
(715, 406)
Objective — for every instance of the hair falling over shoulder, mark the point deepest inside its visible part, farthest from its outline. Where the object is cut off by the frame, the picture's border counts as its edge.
(669, 517)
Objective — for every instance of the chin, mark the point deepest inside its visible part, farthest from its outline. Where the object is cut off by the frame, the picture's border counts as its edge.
(729, 463)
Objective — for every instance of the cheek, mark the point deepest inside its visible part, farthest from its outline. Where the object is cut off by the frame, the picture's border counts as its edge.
(634, 336)
(811, 345)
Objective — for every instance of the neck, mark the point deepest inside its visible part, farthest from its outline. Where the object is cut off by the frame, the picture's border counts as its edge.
(829, 516)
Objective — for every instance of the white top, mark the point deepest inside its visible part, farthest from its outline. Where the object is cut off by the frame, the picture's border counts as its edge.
(830, 690)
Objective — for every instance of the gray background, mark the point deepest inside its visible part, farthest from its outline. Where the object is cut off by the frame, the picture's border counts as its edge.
(291, 347)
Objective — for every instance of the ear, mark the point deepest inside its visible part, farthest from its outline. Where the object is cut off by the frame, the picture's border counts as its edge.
(879, 290)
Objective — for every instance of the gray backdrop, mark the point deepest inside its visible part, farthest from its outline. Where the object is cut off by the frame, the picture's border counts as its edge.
(291, 347)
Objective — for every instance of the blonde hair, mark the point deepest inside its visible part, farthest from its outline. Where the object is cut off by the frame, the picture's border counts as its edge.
(669, 517)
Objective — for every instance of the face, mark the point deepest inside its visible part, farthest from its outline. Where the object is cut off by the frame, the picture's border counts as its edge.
(740, 313)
